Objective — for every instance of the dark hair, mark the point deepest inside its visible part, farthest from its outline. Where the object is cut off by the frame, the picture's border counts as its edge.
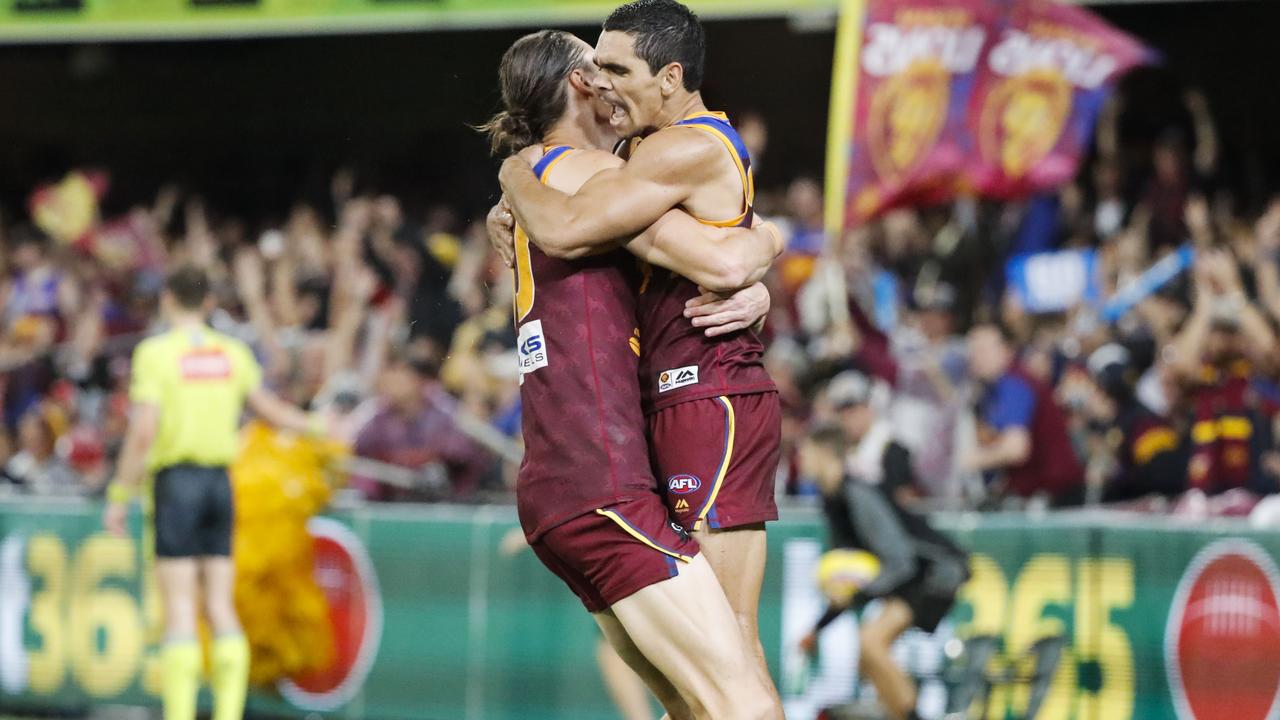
(188, 285)
(830, 437)
(665, 32)
(532, 75)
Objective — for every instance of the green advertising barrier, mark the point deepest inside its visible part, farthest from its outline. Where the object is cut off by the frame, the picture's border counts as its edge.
(59, 20)
(435, 621)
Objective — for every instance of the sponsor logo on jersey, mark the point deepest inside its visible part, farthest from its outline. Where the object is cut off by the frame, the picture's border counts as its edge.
(532, 345)
(1224, 624)
(205, 365)
(346, 575)
(683, 484)
(678, 378)
(682, 505)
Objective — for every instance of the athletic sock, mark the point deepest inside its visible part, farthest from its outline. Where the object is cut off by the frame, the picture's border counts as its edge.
(230, 676)
(181, 679)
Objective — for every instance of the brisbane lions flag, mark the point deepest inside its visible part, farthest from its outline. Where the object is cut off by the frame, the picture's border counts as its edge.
(934, 97)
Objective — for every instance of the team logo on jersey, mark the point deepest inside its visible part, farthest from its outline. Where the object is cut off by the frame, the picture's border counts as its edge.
(678, 378)
(1224, 624)
(532, 346)
(683, 484)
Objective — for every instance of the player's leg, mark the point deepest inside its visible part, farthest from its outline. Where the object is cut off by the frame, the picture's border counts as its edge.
(625, 687)
(685, 627)
(627, 672)
(230, 656)
(875, 639)
(176, 512)
(717, 459)
(737, 557)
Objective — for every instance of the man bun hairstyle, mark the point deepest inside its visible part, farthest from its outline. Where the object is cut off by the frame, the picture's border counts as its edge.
(665, 32)
(531, 76)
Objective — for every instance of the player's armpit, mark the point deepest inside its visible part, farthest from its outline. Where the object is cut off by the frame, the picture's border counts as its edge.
(721, 260)
(614, 203)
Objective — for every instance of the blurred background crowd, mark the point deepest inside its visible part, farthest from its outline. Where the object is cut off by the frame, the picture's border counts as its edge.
(1008, 387)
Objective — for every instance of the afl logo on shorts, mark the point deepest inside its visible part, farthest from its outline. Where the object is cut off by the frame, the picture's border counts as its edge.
(1224, 625)
(345, 574)
(683, 484)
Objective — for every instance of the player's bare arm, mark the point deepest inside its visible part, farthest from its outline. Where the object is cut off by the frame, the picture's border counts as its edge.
(720, 260)
(617, 203)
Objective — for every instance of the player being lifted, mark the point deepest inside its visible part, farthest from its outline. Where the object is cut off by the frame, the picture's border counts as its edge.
(585, 493)
(712, 410)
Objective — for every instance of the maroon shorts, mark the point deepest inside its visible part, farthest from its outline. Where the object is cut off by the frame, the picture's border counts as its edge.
(716, 459)
(609, 554)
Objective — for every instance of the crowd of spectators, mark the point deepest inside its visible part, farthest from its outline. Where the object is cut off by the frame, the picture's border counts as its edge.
(401, 326)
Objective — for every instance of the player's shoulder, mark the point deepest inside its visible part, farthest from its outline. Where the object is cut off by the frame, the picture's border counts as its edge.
(593, 159)
(579, 166)
(677, 149)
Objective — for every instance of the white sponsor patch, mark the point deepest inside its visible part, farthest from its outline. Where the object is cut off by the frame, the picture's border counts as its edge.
(678, 378)
(532, 346)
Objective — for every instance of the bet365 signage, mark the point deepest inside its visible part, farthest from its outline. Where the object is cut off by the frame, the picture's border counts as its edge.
(68, 619)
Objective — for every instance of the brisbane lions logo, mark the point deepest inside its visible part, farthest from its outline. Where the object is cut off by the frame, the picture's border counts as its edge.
(1022, 120)
(906, 117)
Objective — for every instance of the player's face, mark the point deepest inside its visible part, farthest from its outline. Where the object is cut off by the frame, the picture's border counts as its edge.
(633, 93)
(601, 109)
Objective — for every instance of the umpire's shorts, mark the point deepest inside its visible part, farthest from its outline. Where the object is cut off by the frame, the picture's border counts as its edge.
(194, 511)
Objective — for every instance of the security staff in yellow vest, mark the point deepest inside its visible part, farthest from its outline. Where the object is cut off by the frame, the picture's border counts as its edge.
(188, 392)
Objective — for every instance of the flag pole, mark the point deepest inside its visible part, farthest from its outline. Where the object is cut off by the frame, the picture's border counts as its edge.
(844, 80)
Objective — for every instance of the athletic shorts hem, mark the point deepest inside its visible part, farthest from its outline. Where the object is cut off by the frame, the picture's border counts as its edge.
(611, 553)
(741, 519)
(638, 582)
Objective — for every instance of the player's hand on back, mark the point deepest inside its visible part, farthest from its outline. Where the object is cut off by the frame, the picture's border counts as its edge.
(722, 315)
(501, 226)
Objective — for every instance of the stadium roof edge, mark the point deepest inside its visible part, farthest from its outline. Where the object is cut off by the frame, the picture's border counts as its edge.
(169, 20)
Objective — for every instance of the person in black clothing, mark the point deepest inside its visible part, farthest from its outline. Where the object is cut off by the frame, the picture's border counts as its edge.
(1148, 454)
(921, 571)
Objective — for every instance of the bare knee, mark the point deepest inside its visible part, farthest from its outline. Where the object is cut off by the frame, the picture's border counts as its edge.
(220, 611)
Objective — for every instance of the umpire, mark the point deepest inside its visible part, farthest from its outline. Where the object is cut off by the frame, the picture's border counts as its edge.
(188, 392)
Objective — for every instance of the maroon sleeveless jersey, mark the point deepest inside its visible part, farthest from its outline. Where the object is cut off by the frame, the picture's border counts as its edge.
(584, 432)
(678, 362)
